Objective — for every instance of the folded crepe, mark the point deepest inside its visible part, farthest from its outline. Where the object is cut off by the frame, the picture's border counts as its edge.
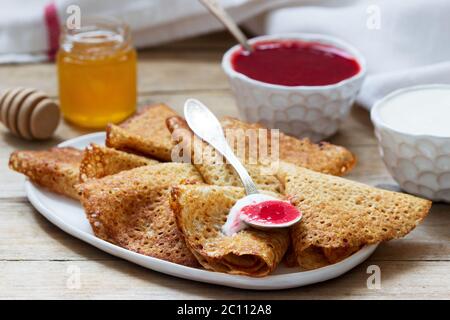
(56, 169)
(322, 157)
(99, 162)
(144, 133)
(131, 209)
(211, 164)
(340, 216)
(200, 212)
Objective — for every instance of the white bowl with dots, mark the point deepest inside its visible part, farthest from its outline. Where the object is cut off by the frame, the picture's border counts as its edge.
(303, 111)
(412, 126)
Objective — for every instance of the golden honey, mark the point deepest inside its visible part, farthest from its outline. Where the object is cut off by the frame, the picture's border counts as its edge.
(97, 74)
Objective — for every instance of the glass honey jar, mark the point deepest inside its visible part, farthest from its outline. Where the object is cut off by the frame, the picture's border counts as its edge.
(97, 73)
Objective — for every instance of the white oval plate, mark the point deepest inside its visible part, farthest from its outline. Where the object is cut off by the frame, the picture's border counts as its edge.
(68, 215)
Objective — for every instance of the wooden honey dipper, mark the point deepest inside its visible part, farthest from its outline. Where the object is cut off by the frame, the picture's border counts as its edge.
(29, 113)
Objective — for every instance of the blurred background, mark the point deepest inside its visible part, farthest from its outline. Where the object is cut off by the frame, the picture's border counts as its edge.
(404, 42)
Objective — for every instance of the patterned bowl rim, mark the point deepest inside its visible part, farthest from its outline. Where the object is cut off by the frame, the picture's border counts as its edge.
(307, 37)
(379, 123)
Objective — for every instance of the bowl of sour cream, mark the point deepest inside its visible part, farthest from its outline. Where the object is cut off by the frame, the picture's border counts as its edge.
(412, 126)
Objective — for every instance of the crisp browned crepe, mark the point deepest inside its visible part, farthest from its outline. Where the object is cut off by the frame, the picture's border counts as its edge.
(56, 169)
(322, 157)
(200, 212)
(211, 165)
(165, 210)
(340, 216)
(131, 209)
(99, 162)
(144, 133)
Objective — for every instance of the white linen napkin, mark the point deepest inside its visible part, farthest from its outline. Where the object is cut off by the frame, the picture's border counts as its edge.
(405, 42)
(25, 29)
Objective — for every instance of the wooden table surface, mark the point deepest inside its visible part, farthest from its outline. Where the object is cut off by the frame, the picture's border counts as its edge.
(38, 260)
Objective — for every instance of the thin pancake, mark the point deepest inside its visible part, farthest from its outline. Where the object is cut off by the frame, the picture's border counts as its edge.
(131, 209)
(340, 216)
(200, 212)
(211, 164)
(322, 157)
(99, 162)
(315, 257)
(145, 133)
(56, 169)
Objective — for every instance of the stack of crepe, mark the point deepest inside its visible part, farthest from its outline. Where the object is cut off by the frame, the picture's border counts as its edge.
(135, 197)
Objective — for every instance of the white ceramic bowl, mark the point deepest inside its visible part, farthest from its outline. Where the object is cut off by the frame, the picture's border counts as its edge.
(302, 111)
(419, 163)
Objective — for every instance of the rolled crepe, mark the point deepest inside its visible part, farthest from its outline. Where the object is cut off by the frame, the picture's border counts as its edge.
(340, 216)
(201, 211)
(131, 209)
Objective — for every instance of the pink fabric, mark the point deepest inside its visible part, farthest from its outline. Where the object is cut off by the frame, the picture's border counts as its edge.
(53, 29)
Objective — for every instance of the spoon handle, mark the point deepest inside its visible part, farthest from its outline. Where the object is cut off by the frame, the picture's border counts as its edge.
(216, 9)
(205, 125)
(224, 148)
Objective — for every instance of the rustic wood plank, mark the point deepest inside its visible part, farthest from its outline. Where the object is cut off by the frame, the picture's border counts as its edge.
(26, 235)
(216, 42)
(160, 73)
(122, 280)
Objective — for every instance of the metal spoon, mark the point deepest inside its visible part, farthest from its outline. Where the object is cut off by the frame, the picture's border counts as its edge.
(216, 9)
(205, 125)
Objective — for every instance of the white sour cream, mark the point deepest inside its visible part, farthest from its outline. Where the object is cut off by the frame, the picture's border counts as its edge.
(234, 222)
(425, 110)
